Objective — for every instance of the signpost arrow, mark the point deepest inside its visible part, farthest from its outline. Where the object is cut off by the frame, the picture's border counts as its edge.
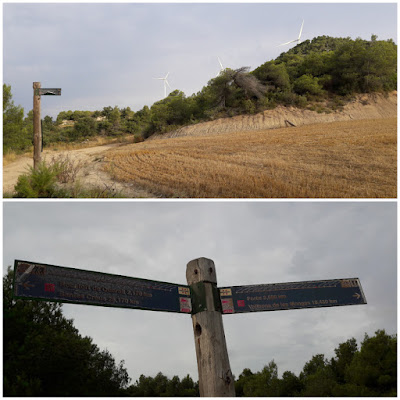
(26, 285)
(201, 298)
(70, 285)
(293, 295)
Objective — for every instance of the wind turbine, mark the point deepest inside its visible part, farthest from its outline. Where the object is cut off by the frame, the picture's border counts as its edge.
(295, 40)
(165, 84)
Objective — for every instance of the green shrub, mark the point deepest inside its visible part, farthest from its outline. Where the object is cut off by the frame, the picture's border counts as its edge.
(39, 182)
(287, 98)
(307, 84)
(45, 182)
(301, 101)
(249, 106)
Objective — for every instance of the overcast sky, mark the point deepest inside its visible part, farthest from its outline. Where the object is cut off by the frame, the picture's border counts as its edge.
(108, 54)
(250, 243)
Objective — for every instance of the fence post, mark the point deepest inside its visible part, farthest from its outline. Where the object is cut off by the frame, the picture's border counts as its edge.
(215, 376)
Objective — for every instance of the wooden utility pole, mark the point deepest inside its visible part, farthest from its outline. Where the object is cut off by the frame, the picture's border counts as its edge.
(215, 376)
(37, 129)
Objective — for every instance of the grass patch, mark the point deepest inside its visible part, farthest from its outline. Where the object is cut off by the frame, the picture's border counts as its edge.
(10, 156)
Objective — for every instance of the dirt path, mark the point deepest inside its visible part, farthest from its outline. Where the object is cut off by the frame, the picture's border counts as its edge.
(91, 173)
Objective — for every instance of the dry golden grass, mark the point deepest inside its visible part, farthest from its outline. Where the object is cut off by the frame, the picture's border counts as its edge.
(352, 159)
(93, 142)
(11, 156)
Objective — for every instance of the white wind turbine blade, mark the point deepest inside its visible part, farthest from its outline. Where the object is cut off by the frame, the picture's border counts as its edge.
(283, 44)
(295, 40)
(301, 30)
(220, 63)
(165, 80)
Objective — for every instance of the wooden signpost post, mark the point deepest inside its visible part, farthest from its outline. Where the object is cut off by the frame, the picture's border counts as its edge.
(201, 298)
(37, 129)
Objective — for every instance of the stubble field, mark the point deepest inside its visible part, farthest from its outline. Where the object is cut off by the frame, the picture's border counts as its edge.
(351, 159)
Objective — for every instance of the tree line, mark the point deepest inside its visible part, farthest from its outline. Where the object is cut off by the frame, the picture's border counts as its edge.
(368, 371)
(44, 355)
(324, 69)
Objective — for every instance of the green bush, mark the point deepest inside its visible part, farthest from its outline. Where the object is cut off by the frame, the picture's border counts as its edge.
(39, 182)
(307, 84)
(249, 106)
(287, 98)
(45, 182)
(16, 131)
(301, 101)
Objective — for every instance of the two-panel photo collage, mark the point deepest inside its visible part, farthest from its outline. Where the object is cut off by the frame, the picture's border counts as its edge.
(199, 199)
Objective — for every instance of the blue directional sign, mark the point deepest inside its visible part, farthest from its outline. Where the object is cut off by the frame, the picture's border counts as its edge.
(293, 295)
(70, 285)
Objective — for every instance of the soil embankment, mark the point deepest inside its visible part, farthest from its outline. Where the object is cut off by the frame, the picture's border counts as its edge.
(366, 106)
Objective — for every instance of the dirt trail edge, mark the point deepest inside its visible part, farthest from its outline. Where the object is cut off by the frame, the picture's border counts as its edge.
(91, 173)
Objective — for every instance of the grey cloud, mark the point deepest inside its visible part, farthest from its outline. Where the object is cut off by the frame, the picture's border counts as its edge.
(112, 51)
(250, 243)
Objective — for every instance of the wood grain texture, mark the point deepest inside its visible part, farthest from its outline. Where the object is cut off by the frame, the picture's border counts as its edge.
(37, 129)
(215, 375)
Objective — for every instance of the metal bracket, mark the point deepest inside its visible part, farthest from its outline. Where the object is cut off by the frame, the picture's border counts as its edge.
(217, 299)
(47, 92)
(198, 293)
(199, 302)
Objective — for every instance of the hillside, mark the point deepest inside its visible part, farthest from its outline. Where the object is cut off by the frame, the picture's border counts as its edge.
(318, 75)
(352, 153)
(366, 106)
(245, 132)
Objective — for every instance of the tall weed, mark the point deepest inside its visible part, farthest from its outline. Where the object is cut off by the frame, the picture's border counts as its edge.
(67, 169)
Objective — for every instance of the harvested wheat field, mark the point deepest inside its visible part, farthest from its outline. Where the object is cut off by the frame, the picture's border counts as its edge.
(349, 159)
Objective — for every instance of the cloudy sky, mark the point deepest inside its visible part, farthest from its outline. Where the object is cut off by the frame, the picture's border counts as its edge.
(250, 243)
(108, 54)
